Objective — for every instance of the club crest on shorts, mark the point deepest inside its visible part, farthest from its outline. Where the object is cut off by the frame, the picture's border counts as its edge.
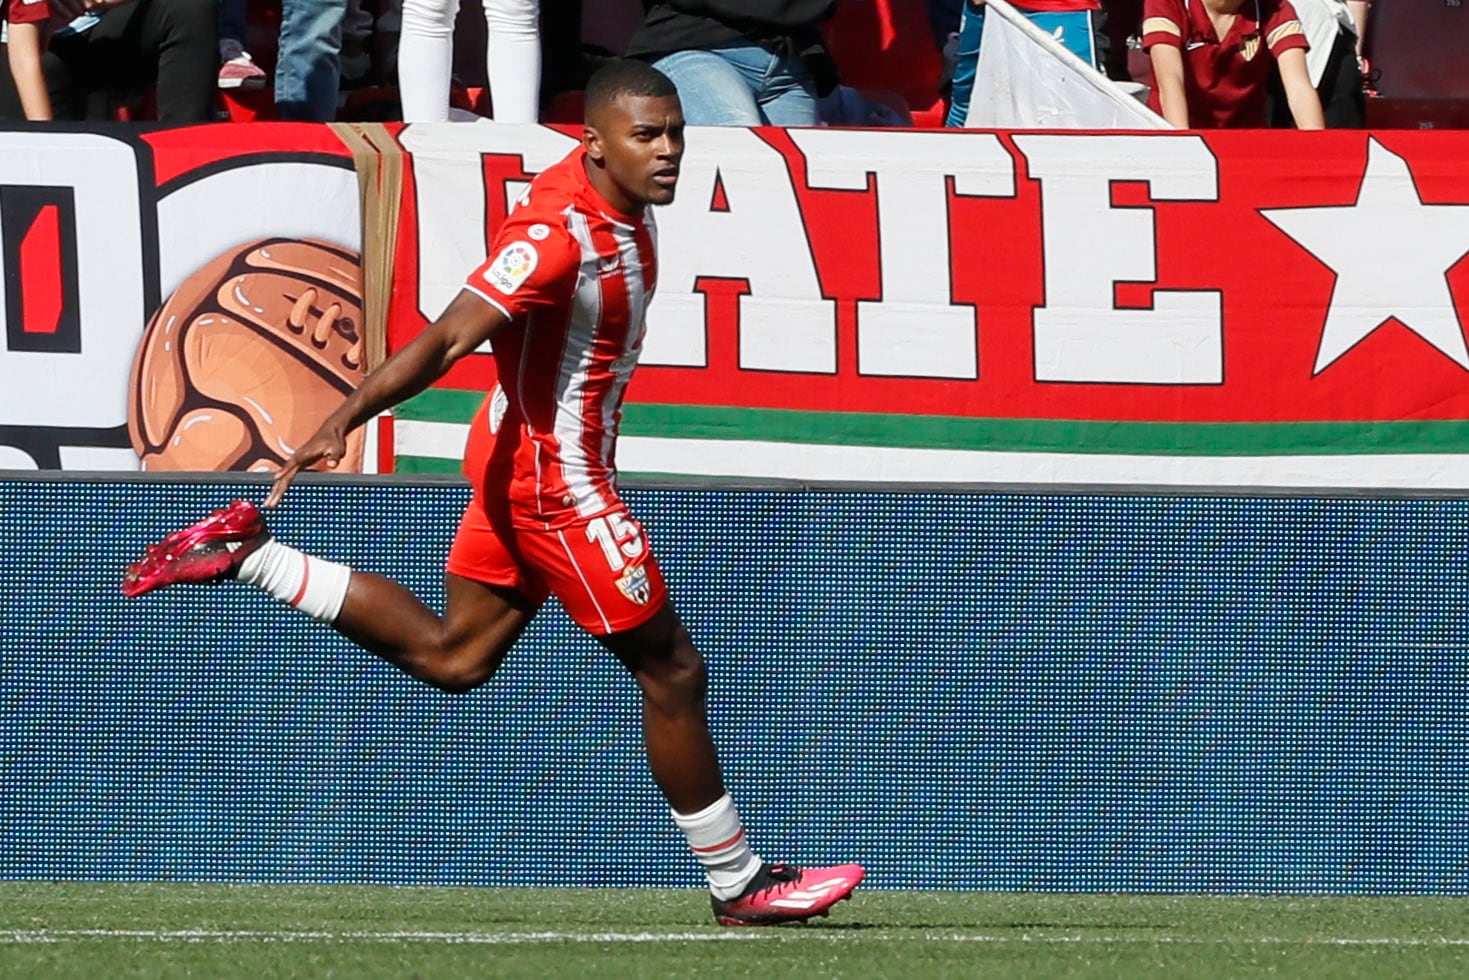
(635, 585)
(512, 266)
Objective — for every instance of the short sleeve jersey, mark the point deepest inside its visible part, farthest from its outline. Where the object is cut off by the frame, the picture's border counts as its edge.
(1225, 79)
(24, 11)
(574, 276)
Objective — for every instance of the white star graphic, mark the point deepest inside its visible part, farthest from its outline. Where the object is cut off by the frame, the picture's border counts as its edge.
(1391, 254)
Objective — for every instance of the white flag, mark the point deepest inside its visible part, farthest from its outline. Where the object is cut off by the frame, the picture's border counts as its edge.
(1026, 79)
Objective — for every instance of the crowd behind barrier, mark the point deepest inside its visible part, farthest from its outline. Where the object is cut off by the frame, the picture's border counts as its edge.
(840, 62)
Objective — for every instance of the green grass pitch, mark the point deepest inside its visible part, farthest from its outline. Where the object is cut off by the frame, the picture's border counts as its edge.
(104, 930)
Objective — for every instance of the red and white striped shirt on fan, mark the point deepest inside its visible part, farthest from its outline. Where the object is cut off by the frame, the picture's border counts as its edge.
(575, 276)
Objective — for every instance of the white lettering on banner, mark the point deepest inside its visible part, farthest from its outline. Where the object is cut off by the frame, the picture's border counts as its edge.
(785, 322)
(914, 330)
(1089, 246)
(15, 459)
(449, 185)
(86, 387)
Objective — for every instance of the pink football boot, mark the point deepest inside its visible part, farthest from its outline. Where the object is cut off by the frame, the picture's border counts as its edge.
(208, 551)
(784, 893)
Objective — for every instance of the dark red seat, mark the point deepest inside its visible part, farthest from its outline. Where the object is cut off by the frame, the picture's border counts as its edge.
(886, 46)
(1419, 53)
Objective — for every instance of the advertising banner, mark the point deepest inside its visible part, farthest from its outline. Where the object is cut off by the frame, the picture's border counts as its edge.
(175, 299)
(960, 307)
(1242, 309)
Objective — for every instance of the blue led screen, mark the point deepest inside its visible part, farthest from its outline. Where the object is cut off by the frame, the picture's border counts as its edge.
(967, 691)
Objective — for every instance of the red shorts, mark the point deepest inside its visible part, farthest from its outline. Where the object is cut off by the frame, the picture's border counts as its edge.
(601, 568)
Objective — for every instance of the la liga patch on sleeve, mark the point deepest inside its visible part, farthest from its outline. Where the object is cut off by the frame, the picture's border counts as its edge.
(512, 266)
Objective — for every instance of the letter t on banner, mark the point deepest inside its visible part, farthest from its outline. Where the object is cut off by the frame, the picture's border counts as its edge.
(915, 330)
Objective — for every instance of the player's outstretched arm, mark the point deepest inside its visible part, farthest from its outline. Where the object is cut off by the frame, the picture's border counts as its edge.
(468, 322)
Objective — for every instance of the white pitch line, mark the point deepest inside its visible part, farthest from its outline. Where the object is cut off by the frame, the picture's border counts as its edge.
(54, 936)
(24, 936)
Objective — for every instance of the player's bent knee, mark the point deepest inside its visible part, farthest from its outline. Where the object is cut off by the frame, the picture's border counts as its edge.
(457, 671)
(456, 679)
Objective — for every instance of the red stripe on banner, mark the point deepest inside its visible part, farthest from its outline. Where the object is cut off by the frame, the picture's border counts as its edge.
(41, 274)
(180, 151)
(385, 446)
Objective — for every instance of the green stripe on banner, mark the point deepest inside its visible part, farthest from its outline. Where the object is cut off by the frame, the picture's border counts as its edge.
(1049, 435)
(425, 464)
(1002, 435)
(441, 405)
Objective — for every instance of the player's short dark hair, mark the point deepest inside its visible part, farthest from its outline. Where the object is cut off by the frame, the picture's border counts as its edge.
(625, 76)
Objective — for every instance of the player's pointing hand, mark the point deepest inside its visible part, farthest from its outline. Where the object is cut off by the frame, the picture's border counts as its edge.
(327, 446)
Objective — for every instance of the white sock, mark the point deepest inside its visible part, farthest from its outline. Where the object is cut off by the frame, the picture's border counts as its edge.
(316, 587)
(717, 839)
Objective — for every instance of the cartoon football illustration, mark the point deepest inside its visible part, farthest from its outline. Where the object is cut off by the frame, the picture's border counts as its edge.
(247, 358)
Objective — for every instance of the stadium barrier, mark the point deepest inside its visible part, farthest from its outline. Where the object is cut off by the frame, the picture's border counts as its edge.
(962, 690)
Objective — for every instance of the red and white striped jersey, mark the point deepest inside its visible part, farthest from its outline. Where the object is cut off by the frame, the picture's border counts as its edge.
(575, 276)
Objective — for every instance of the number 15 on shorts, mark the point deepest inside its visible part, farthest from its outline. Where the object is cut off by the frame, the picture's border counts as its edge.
(619, 537)
(621, 541)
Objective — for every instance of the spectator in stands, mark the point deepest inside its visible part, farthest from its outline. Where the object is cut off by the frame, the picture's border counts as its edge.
(943, 19)
(1076, 24)
(751, 63)
(1122, 22)
(1211, 62)
(237, 69)
(569, 53)
(356, 54)
(23, 24)
(512, 59)
(108, 47)
(1359, 10)
(308, 68)
(1331, 63)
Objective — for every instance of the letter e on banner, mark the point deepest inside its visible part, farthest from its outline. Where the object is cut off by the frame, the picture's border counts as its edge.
(1090, 245)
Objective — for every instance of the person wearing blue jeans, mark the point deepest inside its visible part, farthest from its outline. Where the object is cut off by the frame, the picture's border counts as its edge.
(752, 63)
(308, 71)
